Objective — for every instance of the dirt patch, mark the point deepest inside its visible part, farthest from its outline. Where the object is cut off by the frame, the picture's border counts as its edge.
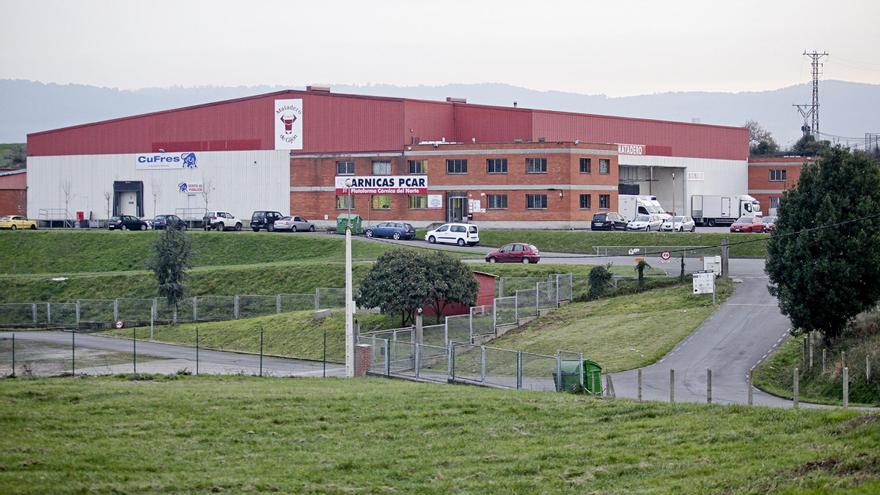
(856, 423)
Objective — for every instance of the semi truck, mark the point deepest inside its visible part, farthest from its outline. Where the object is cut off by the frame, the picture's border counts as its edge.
(723, 210)
(631, 205)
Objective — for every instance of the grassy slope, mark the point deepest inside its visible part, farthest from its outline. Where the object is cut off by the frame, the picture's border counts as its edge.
(296, 334)
(249, 435)
(583, 241)
(6, 152)
(775, 374)
(619, 333)
(103, 251)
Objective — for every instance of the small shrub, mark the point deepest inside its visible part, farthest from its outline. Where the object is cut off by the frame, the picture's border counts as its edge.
(600, 281)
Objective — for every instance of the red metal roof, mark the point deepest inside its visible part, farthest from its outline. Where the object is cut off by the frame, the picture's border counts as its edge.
(335, 122)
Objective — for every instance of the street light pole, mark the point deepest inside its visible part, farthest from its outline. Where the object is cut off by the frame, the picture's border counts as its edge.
(673, 200)
(349, 303)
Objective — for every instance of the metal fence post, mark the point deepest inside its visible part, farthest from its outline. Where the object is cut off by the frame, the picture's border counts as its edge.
(557, 290)
(77, 313)
(708, 386)
(277, 304)
(34, 312)
(134, 350)
(559, 387)
(261, 349)
(446, 331)
(639, 384)
(751, 392)
(516, 307)
(195, 308)
(845, 388)
(537, 299)
(795, 387)
(482, 364)
(581, 370)
(116, 309)
(73, 353)
(197, 350)
(471, 325)
(387, 359)
(13, 355)
(418, 364)
(48, 313)
(317, 300)
(823, 360)
(671, 386)
(519, 370)
(235, 306)
(842, 355)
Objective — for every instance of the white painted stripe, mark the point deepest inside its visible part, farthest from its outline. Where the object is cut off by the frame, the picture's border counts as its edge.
(347, 155)
(766, 191)
(510, 151)
(486, 187)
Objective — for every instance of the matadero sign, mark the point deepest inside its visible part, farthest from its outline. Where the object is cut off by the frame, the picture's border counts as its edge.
(382, 184)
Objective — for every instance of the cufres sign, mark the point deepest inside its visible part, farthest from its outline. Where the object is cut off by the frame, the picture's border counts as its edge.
(382, 184)
(161, 161)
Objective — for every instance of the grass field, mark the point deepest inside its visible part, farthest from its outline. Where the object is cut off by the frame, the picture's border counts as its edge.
(584, 241)
(775, 375)
(251, 435)
(619, 333)
(296, 334)
(71, 251)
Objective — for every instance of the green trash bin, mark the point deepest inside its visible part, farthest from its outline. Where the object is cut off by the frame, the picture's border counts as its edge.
(356, 224)
(570, 376)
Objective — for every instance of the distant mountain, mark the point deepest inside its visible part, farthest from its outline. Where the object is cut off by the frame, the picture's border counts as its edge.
(848, 109)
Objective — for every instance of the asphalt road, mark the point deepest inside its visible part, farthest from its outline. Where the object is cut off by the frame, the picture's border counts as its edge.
(154, 357)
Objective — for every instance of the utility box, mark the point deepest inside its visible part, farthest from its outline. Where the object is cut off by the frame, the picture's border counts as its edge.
(712, 264)
(571, 376)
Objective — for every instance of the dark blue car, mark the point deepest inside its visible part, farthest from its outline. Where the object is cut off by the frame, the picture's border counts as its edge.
(392, 230)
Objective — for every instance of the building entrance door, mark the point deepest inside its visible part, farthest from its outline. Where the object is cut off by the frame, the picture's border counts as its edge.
(128, 203)
(456, 207)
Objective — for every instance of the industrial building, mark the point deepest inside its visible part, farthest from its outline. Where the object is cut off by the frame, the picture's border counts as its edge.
(413, 160)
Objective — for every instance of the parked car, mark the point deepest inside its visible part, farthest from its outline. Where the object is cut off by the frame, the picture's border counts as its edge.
(221, 220)
(769, 223)
(747, 224)
(608, 221)
(127, 222)
(454, 233)
(645, 222)
(161, 222)
(293, 224)
(679, 224)
(265, 219)
(393, 230)
(517, 252)
(15, 222)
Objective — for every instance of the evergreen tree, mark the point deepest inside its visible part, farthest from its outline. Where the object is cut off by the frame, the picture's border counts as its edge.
(171, 258)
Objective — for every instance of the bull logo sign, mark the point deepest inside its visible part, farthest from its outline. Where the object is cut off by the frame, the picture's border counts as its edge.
(288, 117)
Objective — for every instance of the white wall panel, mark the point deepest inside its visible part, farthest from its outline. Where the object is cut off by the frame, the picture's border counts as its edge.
(243, 181)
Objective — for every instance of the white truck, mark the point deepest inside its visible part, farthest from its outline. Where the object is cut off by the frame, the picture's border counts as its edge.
(631, 205)
(723, 210)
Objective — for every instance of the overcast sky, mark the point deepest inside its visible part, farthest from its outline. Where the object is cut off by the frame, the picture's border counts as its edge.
(621, 47)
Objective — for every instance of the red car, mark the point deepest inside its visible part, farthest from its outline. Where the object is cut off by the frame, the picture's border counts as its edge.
(747, 224)
(517, 252)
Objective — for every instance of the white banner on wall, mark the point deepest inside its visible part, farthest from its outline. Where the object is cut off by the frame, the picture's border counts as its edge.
(382, 184)
(435, 201)
(288, 117)
(166, 161)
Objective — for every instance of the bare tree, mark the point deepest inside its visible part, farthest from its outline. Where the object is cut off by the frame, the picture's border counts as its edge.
(207, 189)
(107, 196)
(67, 193)
(156, 192)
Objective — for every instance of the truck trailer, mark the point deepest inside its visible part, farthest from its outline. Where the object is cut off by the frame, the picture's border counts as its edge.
(629, 206)
(723, 210)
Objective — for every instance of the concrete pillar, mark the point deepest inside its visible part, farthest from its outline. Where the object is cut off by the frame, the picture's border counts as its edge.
(195, 304)
(116, 310)
(277, 304)
(235, 306)
(725, 255)
(419, 328)
(795, 387)
(709, 386)
(671, 386)
(845, 388)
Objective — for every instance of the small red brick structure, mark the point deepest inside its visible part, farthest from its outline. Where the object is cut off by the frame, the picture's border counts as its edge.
(13, 192)
(485, 296)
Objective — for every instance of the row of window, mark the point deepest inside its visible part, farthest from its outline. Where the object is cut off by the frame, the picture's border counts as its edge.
(460, 166)
(778, 175)
(493, 202)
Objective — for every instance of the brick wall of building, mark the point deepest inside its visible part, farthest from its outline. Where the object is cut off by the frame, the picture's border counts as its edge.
(765, 175)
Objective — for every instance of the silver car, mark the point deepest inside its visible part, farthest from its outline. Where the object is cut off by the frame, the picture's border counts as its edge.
(679, 224)
(646, 223)
(294, 224)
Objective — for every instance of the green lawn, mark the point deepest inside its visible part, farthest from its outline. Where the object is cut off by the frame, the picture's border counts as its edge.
(296, 334)
(72, 251)
(619, 333)
(251, 435)
(775, 375)
(565, 241)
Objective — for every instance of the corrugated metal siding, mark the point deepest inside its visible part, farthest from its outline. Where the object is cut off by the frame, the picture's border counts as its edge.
(491, 124)
(683, 139)
(342, 123)
(428, 121)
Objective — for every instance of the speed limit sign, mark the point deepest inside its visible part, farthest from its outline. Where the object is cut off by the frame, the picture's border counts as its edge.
(665, 256)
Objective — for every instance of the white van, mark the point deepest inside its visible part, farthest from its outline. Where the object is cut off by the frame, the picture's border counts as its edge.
(454, 233)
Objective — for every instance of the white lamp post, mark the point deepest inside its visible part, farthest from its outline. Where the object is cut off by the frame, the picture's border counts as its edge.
(349, 303)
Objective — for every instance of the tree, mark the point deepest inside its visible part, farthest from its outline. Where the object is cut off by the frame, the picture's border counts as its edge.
(808, 146)
(600, 281)
(67, 194)
(761, 141)
(402, 281)
(823, 278)
(171, 259)
(450, 282)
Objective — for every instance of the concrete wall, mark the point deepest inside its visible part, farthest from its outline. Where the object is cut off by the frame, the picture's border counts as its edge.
(243, 181)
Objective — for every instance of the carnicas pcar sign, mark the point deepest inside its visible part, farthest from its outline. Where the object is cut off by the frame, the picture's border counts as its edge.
(382, 184)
